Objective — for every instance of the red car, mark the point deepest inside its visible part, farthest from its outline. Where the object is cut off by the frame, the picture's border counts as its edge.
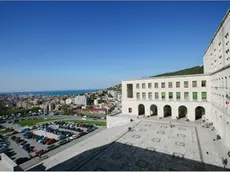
(49, 142)
(40, 152)
(17, 138)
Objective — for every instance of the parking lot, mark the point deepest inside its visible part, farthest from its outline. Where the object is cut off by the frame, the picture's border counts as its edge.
(25, 144)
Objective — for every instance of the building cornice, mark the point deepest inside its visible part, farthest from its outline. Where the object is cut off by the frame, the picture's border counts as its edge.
(166, 77)
(221, 69)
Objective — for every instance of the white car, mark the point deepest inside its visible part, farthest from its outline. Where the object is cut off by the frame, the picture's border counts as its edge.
(72, 137)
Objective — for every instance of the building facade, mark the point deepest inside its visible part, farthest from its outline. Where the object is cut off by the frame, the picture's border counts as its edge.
(183, 96)
(81, 100)
(189, 96)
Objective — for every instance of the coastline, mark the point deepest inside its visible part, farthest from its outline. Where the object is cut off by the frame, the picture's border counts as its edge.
(52, 93)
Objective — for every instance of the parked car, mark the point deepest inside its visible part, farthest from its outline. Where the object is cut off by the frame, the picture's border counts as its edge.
(82, 133)
(50, 147)
(35, 136)
(16, 139)
(51, 141)
(62, 142)
(13, 137)
(73, 137)
(40, 152)
(39, 138)
(23, 143)
(62, 137)
(25, 147)
(28, 135)
(45, 140)
(25, 130)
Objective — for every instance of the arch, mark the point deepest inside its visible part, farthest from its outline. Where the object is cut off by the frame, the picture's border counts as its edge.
(199, 112)
(182, 111)
(141, 109)
(167, 111)
(153, 110)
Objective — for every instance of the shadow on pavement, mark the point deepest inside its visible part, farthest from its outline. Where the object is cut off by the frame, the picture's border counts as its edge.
(125, 157)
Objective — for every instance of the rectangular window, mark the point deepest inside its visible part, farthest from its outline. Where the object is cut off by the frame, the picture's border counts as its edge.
(185, 84)
(143, 85)
(156, 85)
(163, 95)
(203, 83)
(178, 95)
(137, 86)
(186, 95)
(170, 95)
(156, 95)
(177, 84)
(194, 83)
(150, 96)
(143, 96)
(163, 85)
(170, 85)
(204, 95)
(138, 96)
(130, 110)
(194, 95)
(149, 85)
(129, 90)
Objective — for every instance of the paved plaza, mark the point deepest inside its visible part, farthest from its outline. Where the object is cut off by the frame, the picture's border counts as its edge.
(153, 146)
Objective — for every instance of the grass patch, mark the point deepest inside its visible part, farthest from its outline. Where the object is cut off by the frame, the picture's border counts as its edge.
(6, 131)
(34, 121)
(101, 123)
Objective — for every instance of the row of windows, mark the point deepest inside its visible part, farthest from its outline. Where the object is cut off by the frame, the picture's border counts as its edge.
(220, 101)
(217, 55)
(170, 84)
(223, 82)
(170, 95)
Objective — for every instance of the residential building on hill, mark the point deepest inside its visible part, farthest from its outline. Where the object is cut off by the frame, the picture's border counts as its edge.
(81, 100)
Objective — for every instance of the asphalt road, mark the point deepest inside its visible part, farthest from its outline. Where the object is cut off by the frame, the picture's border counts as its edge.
(36, 160)
(56, 116)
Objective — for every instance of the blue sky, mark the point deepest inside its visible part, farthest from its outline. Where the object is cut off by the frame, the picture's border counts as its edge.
(87, 45)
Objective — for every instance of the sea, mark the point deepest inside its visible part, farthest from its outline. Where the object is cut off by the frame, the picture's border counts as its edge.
(52, 93)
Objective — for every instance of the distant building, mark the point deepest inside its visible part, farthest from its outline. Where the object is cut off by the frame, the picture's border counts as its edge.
(51, 106)
(68, 101)
(95, 102)
(81, 100)
(119, 97)
(19, 104)
(62, 102)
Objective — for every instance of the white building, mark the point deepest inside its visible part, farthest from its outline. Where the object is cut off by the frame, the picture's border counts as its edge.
(51, 106)
(68, 101)
(95, 102)
(81, 100)
(189, 96)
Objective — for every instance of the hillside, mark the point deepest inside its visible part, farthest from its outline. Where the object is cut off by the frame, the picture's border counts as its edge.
(188, 71)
